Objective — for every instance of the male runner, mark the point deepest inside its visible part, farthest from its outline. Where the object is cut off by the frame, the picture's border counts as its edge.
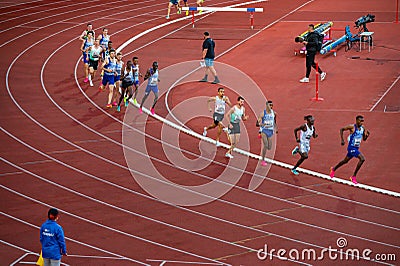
(357, 134)
(234, 115)
(267, 122)
(307, 130)
(109, 67)
(152, 85)
(219, 111)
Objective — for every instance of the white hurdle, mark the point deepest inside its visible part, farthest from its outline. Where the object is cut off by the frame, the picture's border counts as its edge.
(250, 10)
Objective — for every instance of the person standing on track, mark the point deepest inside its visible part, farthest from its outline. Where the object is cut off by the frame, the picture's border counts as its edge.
(86, 43)
(94, 56)
(357, 134)
(307, 130)
(267, 122)
(109, 66)
(311, 43)
(152, 85)
(52, 240)
(208, 56)
(177, 6)
(219, 112)
(234, 115)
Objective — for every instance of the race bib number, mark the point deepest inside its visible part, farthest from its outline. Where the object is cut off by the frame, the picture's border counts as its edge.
(269, 123)
(153, 81)
(220, 108)
(357, 142)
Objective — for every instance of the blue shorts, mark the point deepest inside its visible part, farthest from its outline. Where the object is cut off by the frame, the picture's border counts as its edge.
(85, 58)
(353, 152)
(108, 79)
(117, 78)
(151, 88)
(268, 132)
(209, 62)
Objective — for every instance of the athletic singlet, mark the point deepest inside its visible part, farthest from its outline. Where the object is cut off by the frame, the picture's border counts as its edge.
(356, 138)
(95, 53)
(237, 114)
(87, 44)
(112, 64)
(268, 120)
(118, 67)
(104, 41)
(220, 105)
(305, 136)
(153, 79)
(136, 73)
(128, 75)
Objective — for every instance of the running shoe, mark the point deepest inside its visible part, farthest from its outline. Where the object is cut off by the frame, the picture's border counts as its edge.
(91, 83)
(118, 108)
(216, 81)
(201, 11)
(126, 103)
(134, 101)
(294, 171)
(167, 17)
(259, 135)
(109, 106)
(228, 155)
(354, 180)
(218, 144)
(332, 173)
(305, 80)
(125, 99)
(264, 163)
(85, 80)
(295, 150)
(205, 131)
(179, 11)
(203, 80)
(114, 103)
(226, 130)
(152, 111)
(323, 75)
(187, 12)
(100, 89)
(140, 110)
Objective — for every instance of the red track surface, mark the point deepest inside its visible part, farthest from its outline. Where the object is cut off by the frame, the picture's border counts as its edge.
(60, 149)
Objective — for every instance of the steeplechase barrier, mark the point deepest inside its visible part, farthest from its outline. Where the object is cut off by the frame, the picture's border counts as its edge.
(250, 10)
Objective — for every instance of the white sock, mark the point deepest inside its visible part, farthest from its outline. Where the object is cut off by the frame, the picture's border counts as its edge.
(90, 77)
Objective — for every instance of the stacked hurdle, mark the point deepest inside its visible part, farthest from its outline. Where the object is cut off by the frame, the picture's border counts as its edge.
(225, 9)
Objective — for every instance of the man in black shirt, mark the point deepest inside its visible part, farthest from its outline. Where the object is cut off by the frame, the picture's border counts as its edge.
(208, 56)
(311, 43)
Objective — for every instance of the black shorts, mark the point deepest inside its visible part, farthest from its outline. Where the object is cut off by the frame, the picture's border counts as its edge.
(93, 64)
(125, 84)
(218, 118)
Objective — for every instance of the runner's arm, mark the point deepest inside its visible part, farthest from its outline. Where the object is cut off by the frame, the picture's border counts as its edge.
(350, 128)
(297, 129)
(366, 134)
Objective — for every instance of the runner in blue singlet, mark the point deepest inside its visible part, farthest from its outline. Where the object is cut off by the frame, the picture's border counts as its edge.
(86, 44)
(152, 86)
(357, 134)
(267, 122)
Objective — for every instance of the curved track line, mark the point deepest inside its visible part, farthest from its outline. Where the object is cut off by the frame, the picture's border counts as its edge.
(67, 238)
(122, 210)
(46, 92)
(246, 153)
(233, 223)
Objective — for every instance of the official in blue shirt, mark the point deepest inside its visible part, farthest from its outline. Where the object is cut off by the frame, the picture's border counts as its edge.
(52, 240)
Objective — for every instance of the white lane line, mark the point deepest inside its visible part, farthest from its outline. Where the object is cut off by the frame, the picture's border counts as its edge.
(67, 238)
(386, 92)
(11, 173)
(209, 216)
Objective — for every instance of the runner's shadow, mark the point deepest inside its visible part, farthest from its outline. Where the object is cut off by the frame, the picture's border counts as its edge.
(344, 207)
